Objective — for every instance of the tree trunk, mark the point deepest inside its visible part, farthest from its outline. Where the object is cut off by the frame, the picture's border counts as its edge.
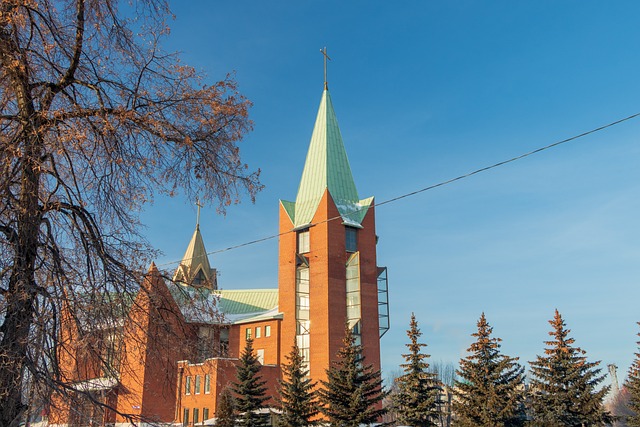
(21, 292)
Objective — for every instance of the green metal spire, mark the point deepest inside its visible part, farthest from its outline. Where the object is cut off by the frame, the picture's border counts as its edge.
(327, 167)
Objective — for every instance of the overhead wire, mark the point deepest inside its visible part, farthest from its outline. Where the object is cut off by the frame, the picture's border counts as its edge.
(430, 187)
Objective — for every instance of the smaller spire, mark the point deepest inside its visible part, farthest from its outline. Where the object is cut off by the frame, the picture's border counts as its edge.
(326, 56)
(195, 269)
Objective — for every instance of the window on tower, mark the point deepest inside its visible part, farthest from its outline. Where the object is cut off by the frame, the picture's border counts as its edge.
(354, 313)
(302, 293)
(302, 311)
(303, 241)
(351, 239)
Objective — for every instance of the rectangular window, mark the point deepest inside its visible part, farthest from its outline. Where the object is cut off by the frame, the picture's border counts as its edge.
(207, 384)
(302, 311)
(247, 334)
(224, 342)
(205, 414)
(258, 331)
(196, 415)
(306, 356)
(351, 239)
(302, 341)
(267, 331)
(303, 280)
(185, 417)
(303, 241)
(302, 293)
(187, 386)
(196, 390)
(260, 354)
(353, 313)
(302, 327)
(353, 290)
(303, 302)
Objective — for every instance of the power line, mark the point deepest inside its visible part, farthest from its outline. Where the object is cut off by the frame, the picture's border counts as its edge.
(431, 187)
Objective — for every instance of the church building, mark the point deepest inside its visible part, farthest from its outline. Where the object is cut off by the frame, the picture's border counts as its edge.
(186, 353)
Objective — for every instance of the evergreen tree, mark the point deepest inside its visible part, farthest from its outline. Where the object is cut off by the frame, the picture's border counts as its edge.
(250, 389)
(491, 390)
(633, 388)
(353, 392)
(297, 395)
(564, 384)
(226, 413)
(417, 399)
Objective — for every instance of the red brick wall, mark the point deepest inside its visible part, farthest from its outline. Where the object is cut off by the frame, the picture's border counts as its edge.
(156, 337)
(287, 282)
(222, 374)
(270, 345)
(369, 290)
(328, 281)
(327, 259)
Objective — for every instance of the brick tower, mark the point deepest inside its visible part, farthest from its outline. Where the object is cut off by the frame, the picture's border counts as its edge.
(328, 275)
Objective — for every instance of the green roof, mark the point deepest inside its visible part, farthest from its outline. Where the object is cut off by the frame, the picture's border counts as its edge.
(202, 305)
(245, 301)
(327, 167)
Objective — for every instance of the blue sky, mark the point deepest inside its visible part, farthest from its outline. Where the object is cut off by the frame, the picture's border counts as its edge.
(425, 91)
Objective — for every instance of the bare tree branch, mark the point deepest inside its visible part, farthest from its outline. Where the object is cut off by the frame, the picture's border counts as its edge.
(95, 119)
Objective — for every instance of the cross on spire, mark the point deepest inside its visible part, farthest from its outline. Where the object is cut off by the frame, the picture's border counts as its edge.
(199, 205)
(324, 53)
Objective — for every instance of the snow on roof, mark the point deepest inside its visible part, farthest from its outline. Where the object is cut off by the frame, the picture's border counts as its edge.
(96, 384)
(202, 305)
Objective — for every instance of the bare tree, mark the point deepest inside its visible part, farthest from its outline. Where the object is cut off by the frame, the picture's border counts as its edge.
(618, 406)
(94, 120)
(445, 371)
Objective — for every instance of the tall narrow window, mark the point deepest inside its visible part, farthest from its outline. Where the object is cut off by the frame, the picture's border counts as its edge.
(224, 342)
(303, 241)
(196, 389)
(196, 415)
(258, 331)
(351, 239)
(267, 331)
(207, 384)
(187, 385)
(353, 295)
(185, 417)
(247, 333)
(302, 310)
(204, 346)
(111, 355)
(205, 414)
